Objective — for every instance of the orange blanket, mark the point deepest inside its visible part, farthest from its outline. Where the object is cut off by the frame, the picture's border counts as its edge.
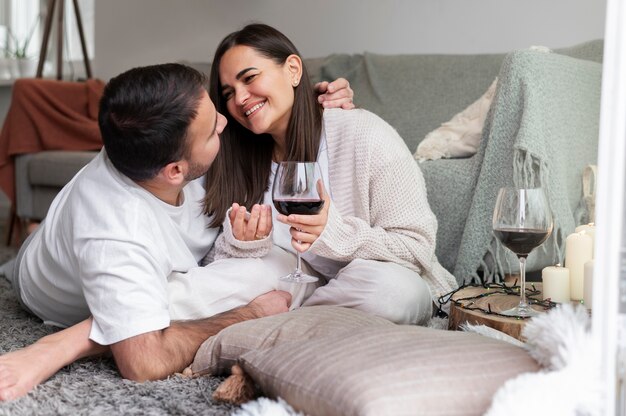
(48, 115)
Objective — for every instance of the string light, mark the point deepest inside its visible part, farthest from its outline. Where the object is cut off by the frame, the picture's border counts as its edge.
(498, 289)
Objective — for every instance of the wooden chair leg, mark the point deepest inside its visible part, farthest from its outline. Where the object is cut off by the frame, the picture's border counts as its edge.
(11, 226)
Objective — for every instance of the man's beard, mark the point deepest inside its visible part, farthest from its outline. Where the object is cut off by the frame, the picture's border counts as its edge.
(195, 171)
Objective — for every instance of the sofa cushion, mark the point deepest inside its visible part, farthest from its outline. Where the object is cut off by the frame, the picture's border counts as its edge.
(56, 167)
(413, 93)
(459, 136)
(392, 370)
(218, 353)
(40, 176)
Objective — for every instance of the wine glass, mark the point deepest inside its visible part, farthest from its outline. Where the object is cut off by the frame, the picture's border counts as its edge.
(295, 191)
(522, 221)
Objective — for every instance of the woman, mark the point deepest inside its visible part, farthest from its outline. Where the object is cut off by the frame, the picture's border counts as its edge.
(374, 240)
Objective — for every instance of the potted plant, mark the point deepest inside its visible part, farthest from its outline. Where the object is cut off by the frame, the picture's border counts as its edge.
(18, 48)
(8, 64)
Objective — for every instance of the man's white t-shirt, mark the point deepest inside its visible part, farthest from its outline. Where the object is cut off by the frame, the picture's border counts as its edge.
(106, 248)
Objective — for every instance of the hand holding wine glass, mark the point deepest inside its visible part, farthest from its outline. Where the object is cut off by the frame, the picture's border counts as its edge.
(297, 194)
(522, 221)
(305, 229)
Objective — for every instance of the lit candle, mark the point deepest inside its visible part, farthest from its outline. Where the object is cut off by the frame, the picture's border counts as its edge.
(578, 251)
(589, 229)
(588, 284)
(556, 283)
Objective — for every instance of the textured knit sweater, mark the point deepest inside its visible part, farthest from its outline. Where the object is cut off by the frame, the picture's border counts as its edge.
(379, 209)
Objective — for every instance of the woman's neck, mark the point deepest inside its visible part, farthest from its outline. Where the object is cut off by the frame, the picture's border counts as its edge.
(279, 153)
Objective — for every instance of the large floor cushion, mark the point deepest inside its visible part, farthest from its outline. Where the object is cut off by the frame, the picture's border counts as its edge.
(397, 370)
(329, 360)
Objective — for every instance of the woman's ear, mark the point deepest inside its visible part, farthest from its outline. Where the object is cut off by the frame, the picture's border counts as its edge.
(293, 64)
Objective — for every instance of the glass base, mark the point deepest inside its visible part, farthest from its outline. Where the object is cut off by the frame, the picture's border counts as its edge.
(296, 277)
(520, 311)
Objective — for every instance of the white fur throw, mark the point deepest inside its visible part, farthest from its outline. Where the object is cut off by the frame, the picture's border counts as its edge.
(266, 407)
(570, 384)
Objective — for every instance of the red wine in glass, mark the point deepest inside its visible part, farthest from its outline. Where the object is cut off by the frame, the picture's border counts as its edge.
(522, 221)
(296, 191)
(298, 206)
(521, 241)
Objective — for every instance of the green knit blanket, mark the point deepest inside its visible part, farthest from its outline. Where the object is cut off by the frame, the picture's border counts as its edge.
(542, 130)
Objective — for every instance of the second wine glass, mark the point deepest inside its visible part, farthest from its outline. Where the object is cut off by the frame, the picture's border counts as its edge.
(522, 221)
(296, 191)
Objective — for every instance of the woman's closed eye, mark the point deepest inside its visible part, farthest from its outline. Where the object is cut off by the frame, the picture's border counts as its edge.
(249, 78)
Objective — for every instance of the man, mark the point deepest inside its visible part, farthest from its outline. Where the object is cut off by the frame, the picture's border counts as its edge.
(120, 237)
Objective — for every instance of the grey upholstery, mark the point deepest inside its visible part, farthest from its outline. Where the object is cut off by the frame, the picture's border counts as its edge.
(40, 176)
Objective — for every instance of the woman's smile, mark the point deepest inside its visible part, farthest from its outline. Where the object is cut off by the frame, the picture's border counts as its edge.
(252, 110)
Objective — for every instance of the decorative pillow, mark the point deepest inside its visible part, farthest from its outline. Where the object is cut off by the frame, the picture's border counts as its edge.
(218, 353)
(388, 370)
(459, 137)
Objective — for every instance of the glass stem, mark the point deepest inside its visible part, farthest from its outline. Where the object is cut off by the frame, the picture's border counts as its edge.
(522, 287)
(298, 271)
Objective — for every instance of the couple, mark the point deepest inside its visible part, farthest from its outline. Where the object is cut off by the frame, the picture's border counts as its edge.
(116, 260)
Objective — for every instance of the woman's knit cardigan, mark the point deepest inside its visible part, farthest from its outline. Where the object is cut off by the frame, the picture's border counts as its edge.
(379, 209)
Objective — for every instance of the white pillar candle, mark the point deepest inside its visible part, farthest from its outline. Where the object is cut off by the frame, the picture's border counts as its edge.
(591, 230)
(578, 251)
(588, 284)
(556, 283)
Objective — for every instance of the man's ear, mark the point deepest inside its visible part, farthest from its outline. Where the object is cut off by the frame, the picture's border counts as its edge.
(294, 66)
(174, 172)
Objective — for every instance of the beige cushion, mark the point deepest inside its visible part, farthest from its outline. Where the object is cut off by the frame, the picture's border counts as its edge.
(218, 353)
(392, 370)
(459, 137)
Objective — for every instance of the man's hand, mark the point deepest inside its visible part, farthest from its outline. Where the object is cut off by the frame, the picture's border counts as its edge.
(336, 94)
(250, 226)
(158, 354)
(271, 303)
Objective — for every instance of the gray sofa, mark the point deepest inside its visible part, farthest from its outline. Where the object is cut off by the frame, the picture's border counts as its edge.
(415, 94)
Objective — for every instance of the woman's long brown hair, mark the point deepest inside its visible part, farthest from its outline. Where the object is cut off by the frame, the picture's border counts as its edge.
(241, 170)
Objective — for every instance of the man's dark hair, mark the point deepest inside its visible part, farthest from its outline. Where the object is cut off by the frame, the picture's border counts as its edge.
(144, 116)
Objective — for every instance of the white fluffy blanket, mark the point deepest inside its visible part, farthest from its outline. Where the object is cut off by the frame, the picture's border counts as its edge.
(570, 383)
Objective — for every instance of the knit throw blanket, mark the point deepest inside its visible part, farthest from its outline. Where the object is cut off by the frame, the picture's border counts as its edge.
(542, 130)
(48, 115)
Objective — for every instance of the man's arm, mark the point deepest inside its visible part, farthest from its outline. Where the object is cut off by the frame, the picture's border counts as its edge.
(158, 354)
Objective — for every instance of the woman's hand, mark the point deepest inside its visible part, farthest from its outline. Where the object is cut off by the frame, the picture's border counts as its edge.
(253, 225)
(305, 229)
(336, 94)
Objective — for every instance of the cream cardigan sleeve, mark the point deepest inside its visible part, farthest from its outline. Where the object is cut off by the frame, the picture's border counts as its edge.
(227, 246)
(379, 209)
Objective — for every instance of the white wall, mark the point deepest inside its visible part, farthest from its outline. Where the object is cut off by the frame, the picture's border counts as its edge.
(140, 32)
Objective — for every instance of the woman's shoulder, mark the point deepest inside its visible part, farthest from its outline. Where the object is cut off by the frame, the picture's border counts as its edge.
(356, 115)
(362, 126)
